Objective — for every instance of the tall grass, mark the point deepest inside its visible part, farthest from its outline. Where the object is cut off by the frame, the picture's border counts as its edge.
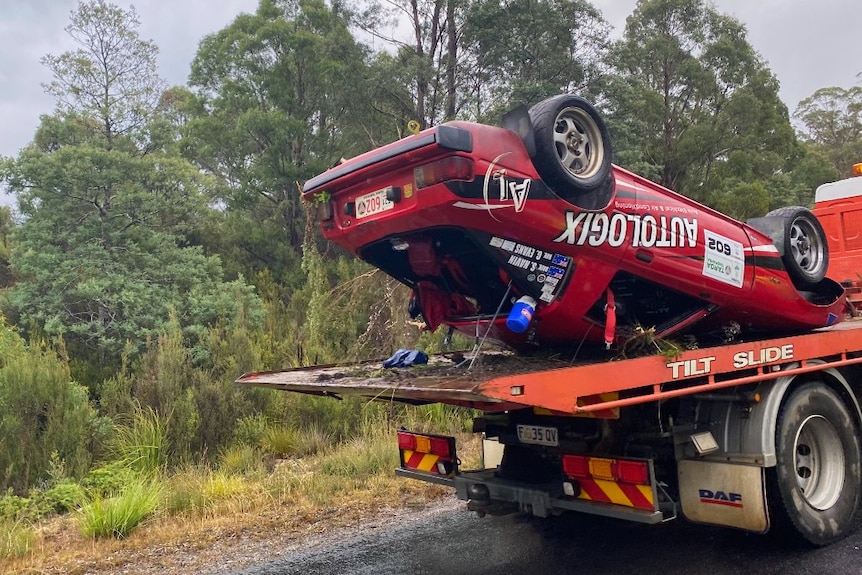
(117, 516)
(360, 457)
(16, 539)
(142, 442)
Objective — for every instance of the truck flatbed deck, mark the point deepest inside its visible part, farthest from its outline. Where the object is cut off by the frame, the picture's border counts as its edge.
(501, 381)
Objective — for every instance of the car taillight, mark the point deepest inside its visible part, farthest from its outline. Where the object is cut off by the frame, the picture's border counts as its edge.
(622, 471)
(445, 170)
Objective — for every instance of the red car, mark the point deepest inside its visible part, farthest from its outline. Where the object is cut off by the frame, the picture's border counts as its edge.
(529, 235)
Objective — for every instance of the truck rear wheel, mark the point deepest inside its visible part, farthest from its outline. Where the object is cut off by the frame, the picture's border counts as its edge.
(818, 469)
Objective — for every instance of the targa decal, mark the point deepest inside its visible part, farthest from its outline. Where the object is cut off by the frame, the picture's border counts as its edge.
(723, 259)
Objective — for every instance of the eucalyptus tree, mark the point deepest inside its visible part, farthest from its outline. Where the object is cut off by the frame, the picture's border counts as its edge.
(522, 51)
(280, 93)
(103, 254)
(831, 121)
(694, 107)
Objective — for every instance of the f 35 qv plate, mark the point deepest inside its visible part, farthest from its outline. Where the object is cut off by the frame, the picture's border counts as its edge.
(538, 435)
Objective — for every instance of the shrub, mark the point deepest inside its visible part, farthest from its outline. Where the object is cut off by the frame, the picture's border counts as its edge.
(184, 490)
(14, 508)
(64, 497)
(46, 413)
(118, 516)
(108, 479)
(311, 441)
(250, 429)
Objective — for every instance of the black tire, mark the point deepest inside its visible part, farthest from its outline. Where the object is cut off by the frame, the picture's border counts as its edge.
(817, 475)
(573, 146)
(804, 248)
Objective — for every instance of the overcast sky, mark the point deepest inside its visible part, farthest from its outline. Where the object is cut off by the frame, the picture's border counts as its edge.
(808, 45)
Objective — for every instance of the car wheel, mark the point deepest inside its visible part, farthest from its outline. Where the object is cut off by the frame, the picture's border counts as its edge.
(573, 147)
(818, 465)
(805, 252)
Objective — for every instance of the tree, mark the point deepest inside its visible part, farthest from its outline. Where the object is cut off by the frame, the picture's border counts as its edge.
(113, 75)
(832, 123)
(522, 51)
(692, 104)
(278, 92)
(103, 254)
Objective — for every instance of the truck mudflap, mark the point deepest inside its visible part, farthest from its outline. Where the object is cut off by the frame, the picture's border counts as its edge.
(727, 494)
(618, 488)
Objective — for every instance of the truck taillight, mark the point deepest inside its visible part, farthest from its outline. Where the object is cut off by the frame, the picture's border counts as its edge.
(623, 471)
(445, 170)
(436, 445)
(406, 441)
(636, 472)
(428, 453)
(440, 446)
(576, 466)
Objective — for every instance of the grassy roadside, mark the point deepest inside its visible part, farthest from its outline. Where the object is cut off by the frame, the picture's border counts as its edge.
(289, 485)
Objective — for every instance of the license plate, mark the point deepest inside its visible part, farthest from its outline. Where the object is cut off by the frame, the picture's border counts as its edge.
(373, 203)
(538, 435)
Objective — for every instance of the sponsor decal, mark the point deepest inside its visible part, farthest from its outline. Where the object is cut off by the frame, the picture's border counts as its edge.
(636, 230)
(723, 259)
(720, 498)
(539, 267)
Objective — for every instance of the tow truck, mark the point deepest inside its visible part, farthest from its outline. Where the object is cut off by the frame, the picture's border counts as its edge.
(752, 421)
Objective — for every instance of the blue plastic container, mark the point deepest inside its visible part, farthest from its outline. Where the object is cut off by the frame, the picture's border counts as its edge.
(521, 315)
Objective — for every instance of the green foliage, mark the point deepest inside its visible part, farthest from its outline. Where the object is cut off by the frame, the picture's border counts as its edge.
(692, 104)
(118, 516)
(108, 479)
(289, 442)
(831, 121)
(103, 253)
(552, 54)
(58, 498)
(43, 416)
(274, 100)
(65, 496)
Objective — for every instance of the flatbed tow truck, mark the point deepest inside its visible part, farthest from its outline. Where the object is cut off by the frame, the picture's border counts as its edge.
(747, 434)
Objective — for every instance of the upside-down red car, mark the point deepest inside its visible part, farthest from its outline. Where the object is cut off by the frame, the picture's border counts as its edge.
(528, 234)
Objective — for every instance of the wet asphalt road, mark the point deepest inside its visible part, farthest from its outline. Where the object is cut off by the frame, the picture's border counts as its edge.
(455, 542)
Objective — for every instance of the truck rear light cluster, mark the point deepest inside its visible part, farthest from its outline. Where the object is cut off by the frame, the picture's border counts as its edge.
(445, 170)
(436, 445)
(430, 453)
(623, 471)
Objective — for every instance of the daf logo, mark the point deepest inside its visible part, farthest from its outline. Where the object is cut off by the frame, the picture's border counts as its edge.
(720, 498)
